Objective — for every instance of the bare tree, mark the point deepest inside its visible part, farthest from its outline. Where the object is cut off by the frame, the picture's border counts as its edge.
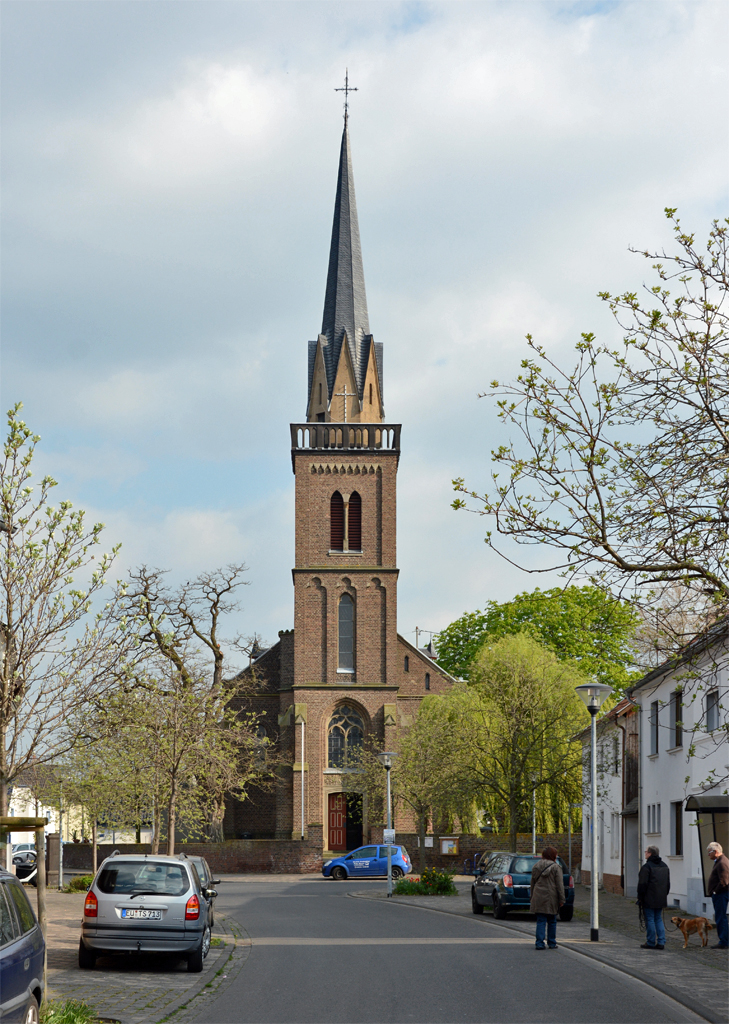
(58, 644)
(621, 463)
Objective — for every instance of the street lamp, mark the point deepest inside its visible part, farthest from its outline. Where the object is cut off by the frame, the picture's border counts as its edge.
(386, 758)
(593, 694)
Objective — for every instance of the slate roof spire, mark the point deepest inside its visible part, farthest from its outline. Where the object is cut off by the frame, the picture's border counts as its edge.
(345, 302)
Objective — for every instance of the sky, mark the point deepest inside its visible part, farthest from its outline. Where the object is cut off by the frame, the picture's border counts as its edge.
(168, 174)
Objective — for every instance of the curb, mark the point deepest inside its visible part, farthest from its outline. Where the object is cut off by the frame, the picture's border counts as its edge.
(226, 974)
(666, 990)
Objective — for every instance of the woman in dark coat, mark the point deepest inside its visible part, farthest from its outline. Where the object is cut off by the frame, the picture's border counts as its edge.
(547, 896)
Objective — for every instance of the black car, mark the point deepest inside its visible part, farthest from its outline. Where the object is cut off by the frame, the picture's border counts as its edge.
(25, 866)
(207, 882)
(504, 882)
(22, 954)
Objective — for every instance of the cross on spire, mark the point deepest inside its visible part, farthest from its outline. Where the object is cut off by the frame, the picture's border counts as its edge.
(343, 394)
(346, 89)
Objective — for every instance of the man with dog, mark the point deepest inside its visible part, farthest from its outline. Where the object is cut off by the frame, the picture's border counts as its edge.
(718, 889)
(654, 883)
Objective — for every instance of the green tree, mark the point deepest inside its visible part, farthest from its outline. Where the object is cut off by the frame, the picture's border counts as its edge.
(579, 624)
(512, 729)
(620, 462)
(59, 644)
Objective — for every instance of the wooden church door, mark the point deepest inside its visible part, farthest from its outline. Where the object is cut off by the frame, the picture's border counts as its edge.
(337, 821)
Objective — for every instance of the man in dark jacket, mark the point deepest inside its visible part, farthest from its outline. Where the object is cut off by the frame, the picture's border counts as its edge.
(654, 883)
(718, 889)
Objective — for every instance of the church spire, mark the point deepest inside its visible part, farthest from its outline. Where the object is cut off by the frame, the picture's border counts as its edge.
(345, 302)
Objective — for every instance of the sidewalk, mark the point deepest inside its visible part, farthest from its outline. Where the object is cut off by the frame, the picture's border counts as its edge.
(695, 977)
(132, 990)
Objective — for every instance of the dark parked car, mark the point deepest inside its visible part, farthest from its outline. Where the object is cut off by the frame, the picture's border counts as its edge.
(25, 866)
(503, 882)
(22, 955)
(207, 882)
(145, 904)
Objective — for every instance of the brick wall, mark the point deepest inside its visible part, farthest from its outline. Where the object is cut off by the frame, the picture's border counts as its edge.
(245, 856)
(472, 846)
(611, 883)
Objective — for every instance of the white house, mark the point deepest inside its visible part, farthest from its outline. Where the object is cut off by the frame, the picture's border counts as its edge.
(684, 764)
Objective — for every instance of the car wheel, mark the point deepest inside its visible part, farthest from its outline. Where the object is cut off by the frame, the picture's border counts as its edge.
(31, 1012)
(338, 873)
(86, 958)
(565, 913)
(475, 905)
(397, 873)
(195, 959)
(500, 910)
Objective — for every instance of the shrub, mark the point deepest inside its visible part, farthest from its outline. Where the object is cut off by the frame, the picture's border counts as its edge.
(432, 882)
(79, 884)
(72, 1011)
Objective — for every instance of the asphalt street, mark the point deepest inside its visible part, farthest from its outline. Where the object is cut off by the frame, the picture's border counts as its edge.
(319, 956)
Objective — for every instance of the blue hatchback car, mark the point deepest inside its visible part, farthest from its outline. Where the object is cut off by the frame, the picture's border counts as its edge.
(22, 954)
(368, 862)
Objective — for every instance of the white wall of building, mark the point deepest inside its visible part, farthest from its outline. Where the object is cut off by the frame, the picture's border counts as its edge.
(677, 764)
(609, 799)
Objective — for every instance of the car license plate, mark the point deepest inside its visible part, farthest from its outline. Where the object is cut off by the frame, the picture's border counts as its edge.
(143, 915)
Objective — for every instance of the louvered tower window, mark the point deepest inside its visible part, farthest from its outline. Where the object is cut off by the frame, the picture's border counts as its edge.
(336, 522)
(355, 522)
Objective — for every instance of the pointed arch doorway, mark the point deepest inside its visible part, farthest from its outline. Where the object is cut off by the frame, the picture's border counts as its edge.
(345, 821)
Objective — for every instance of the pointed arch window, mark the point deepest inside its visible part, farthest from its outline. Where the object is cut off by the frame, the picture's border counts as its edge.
(346, 634)
(346, 735)
(336, 522)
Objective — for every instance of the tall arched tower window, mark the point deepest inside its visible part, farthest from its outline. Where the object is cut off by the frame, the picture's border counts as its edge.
(346, 634)
(346, 735)
(354, 522)
(336, 522)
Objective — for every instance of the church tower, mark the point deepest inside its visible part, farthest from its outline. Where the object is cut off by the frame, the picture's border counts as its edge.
(343, 673)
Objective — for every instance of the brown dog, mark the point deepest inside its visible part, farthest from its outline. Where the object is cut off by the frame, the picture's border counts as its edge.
(693, 924)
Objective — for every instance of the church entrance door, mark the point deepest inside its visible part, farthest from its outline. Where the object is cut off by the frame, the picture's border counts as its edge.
(345, 821)
(337, 821)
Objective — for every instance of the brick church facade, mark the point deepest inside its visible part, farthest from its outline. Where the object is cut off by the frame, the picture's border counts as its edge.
(343, 673)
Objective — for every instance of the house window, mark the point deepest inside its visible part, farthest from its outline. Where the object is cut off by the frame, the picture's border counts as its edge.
(654, 818)
(712, 710)
(677, 718)
(336, 522)
(677, 828)
(427, 680)
(346, 633)
(407, 663)
(354, 523)
(346, 734)
(654, 727)
(614, 836)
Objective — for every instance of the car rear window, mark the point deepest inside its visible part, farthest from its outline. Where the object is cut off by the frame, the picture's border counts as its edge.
(25, 914)
(131, 877)
(524, 865)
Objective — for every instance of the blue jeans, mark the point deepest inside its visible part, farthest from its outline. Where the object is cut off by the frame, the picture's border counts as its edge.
(655, 932)
(548, 921)
(721, 901)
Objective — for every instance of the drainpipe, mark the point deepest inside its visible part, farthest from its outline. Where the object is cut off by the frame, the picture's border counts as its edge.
(303, 727)
(622, 808)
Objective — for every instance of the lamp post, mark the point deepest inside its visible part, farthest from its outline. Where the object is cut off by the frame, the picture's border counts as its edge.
(386, 758)
(593, 694)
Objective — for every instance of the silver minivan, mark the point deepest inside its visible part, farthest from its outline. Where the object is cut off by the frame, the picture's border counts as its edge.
(141, 903)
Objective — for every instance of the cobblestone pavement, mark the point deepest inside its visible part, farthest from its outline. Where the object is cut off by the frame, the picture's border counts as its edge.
(695, 977)
(135, 989)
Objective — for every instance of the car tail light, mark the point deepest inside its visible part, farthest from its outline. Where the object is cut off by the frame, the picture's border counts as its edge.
(508, 882)
(91, 905)
(192, 910)
(571, 883)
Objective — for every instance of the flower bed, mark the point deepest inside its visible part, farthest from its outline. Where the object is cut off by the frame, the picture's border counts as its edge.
(432, 882)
